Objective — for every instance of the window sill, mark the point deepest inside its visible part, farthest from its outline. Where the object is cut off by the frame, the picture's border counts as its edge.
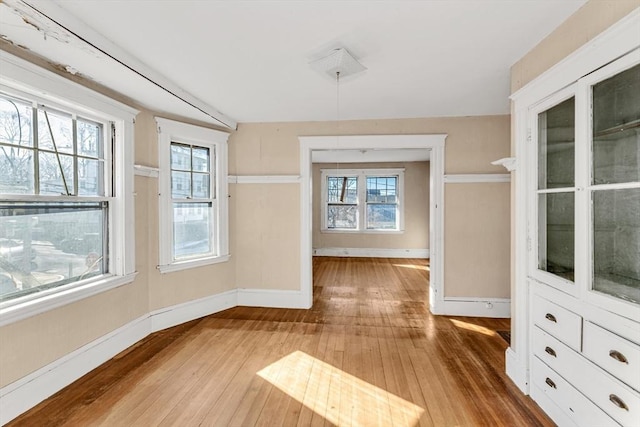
(192, 263)
(14, 311)
(328, 231)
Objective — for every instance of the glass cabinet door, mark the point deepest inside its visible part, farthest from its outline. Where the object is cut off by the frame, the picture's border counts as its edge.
(615, 185)
(556, 191)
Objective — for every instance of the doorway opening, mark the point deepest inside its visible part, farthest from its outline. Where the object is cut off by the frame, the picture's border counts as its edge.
(372, 148)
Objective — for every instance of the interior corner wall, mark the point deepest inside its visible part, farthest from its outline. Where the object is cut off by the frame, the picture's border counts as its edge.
(416, 211)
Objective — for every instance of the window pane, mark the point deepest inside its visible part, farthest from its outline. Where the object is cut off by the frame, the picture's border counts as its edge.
(58, 129)
(16, 170)
(556, 146)
(556, 234)
(180, 157)
(15, 122)
(89, 138)
(381, 217)
(616, 234)
(342, 189)
(52, 170)
(616, 132)
(90, 177)
(45, 246)
(180, 185)
(191, 229)
(382, 189)
(200, 159)
(342, 216)
(201, 185)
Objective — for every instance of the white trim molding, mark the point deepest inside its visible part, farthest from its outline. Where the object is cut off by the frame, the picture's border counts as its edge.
(372, 252)
(477, 178)
(168, 317)
(264, 179)
(148, 171)
(474, 307)
(518, 374)
(435, 143)
(271, 298)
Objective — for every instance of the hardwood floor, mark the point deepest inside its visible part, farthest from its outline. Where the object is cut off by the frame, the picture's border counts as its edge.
(367, 354)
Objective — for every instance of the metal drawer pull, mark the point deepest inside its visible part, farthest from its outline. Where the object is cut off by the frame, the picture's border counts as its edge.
(550, 351)
(552, 384)
(618, 402)
(551, 317)
(615, 354)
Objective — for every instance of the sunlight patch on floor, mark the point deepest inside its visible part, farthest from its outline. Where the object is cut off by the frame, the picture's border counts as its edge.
(413, 266)
(339, 397)
(471, 327)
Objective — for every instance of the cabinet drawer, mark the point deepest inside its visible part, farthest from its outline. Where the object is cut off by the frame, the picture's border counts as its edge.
(614, 354)
(558, 321)
(552, 352)
(575, 406)
(619, 401)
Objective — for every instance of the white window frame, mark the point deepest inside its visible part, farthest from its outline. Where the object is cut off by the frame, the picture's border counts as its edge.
(362, 175)
(23, 79)
(171, 131)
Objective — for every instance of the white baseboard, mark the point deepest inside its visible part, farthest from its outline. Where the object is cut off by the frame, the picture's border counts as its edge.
(28, 391)
(372, 252)
(270, 298)
(516, 371)
(177, 314)
(473, 307)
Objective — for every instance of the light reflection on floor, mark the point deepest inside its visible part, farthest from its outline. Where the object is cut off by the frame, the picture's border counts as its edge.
(413, 266)
(339, 397)
(471, 327)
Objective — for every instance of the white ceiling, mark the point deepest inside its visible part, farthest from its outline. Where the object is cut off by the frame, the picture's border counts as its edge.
(250, 59)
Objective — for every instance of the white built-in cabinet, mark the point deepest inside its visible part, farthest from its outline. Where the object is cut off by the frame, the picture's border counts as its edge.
(578, 236)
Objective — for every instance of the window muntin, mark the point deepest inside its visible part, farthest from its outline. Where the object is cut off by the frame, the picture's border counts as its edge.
(362, 200)
(55, 198)
(193, 200)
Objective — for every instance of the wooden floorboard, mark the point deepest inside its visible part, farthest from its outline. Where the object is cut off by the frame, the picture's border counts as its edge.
(368, 353)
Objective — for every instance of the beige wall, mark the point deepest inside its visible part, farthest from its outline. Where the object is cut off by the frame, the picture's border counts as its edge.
(588, 21)
(416, 211)
(476, 217)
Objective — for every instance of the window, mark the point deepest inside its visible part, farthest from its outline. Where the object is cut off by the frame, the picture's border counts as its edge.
(65, 192)
(193, 196)
(367, 200)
